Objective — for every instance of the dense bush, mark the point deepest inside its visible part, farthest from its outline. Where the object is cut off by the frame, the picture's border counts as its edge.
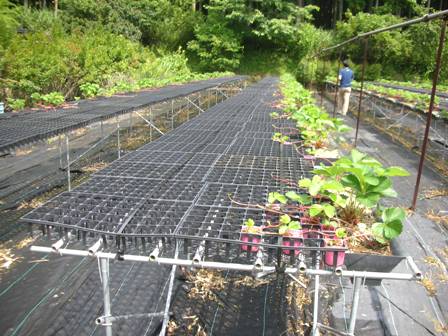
(233, 28)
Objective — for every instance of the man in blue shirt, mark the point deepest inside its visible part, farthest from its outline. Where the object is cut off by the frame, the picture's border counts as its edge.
(346, 77)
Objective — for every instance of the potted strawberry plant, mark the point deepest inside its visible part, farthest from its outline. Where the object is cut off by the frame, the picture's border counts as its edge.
(291, 232)
(338, 239)
(250, 234)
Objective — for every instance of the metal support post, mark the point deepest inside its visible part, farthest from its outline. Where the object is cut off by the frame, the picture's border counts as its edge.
(355, 305)
(316, 298)
(364, 64)
(188, 108)
(324, 70)
(431, 108)
(337, 86)
(60, 151)
(106, 293)
(169, 294)
(67, 147)
(172, 114)
(208, 98)
(118, 137)
(150, 120)
(130, 123)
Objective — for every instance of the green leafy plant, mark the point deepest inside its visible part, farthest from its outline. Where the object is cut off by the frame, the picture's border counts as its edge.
(53, 98)
(391, 225)
(89, 90)
(286, 224)
(249, 227)
(16, 104)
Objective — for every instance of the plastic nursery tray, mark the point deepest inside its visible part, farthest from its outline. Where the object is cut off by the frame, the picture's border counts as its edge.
(175, 158)
(17, 130)
(138, 188)
(217, 194)
(261, 147)
(264, 162)
(220, 230)
(139, 169)
(250, 176)
(110, 215)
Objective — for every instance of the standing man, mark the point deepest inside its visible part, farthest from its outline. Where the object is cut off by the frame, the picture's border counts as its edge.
(346, 77)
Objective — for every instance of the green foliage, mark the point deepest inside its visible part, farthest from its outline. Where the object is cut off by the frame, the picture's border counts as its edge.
(52, 98)
(278, 28)
(16, 104)
(217, 46)
(391, 225)
(160, 22)
(8, 25)
(89, 90)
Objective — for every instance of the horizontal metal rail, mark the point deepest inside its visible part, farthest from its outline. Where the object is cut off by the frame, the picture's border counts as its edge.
(415, 275)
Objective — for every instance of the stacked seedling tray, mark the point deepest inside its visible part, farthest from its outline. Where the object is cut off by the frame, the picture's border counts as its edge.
(195, 186)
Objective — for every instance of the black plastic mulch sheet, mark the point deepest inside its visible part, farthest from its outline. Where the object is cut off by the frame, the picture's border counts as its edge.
(26, 127)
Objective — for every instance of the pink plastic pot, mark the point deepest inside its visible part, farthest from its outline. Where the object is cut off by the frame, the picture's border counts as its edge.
(250, 238)
(330, 257)
(312, 225)
(293, 238)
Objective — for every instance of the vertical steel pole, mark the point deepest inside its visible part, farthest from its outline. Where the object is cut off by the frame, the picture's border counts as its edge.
(431, 108)
(322, 84)
(316, 298)
(67, 147)
(60, 151)
(150, 126)
(106, 294)
(361, 93)
(166, 315)
(208, 99)
(355, 305)
(188, 109)
(118, 137)
(337, 85)
(172, 114)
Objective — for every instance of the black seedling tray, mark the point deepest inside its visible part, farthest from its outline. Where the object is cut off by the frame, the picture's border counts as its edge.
(264, 162)
(217, 194)
(27, 127)
(140, 189)
(249, 176)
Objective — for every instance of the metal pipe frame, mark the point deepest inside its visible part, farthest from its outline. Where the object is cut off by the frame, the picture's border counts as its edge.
(336, 94)
(424, 18)
(430, 110)
(364, 64)
(416, 275)
(258, 268)
(149, 123)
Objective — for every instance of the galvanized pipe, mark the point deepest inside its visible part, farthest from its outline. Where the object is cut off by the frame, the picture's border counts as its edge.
(118, 138)
(106, 294)
(355, 305)
(337, 86)
(364, 64)
(316, 298)
(230, 266)
(425, 18)
(67, 147)
(430, 110)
